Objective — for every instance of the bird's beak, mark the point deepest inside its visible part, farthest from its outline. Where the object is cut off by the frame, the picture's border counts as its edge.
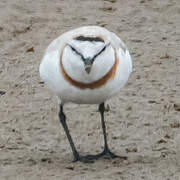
(88, 68)
(88, 65)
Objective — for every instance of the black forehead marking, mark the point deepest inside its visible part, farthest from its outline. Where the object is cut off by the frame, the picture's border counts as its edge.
(91, 39)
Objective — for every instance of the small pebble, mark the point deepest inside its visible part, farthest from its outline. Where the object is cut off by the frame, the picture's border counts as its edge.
(2, 92)
(131, 149)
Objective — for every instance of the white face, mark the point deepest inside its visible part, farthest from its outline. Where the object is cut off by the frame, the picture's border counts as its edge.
(86, 48)
(86, 57)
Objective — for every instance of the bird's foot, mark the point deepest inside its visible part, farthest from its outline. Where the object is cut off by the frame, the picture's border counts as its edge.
(84, 159)
(106, 154)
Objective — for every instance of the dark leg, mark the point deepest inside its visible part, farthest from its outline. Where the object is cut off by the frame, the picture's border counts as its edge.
(89, 158)
(101, 110)
(77, 157)
(107, 153)
(62, 119)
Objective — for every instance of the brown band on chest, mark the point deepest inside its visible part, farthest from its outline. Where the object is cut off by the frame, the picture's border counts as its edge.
(93, 85)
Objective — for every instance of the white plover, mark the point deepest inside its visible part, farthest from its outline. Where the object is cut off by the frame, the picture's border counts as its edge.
(87, 65)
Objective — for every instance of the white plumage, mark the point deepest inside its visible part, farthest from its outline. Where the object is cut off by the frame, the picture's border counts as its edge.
(87, 65)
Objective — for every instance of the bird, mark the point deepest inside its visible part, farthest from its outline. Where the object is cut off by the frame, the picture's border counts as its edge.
(86, 65)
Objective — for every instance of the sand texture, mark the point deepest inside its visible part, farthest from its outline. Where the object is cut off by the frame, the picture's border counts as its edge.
(143, 121)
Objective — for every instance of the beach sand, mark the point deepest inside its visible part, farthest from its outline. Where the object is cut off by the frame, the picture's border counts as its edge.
(142, 121)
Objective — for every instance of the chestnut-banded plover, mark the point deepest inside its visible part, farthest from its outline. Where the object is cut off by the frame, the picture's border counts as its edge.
(87, 65)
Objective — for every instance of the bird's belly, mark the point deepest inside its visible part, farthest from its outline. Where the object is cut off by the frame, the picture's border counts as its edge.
(87, 96)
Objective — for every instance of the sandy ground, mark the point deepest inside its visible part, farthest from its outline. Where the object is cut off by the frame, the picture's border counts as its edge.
(143, 121)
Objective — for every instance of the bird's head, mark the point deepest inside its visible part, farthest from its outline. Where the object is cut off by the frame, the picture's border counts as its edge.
(87, 50)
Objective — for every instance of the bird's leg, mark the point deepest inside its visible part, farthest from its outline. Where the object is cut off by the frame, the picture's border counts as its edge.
(77, 157)
(62, 119)
(88, 158)
(106, 152)
(106, 148)
(101, 110)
